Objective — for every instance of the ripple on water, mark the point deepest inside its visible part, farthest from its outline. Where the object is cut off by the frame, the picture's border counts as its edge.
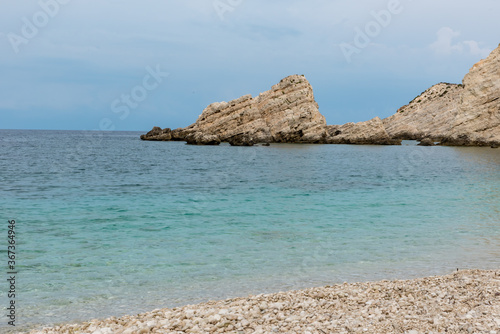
(132, 226)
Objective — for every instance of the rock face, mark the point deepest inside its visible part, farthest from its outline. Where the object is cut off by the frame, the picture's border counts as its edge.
(466, 114)
(369, 132)
(157, 134)
(478, 119)
(461, 115)
(241, 140)
(287, 113)
(428, 115)
(426, 142)
(200, 138)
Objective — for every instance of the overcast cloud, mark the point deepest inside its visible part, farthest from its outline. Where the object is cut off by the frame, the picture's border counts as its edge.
(70, 64)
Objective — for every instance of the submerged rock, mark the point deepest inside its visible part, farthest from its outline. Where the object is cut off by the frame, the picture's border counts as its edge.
(426, 142)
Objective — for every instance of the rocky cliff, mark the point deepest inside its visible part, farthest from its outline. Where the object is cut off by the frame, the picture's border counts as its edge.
(478, 118)
(466, 114)
(428, 115)
(286, 113)
(362, 133)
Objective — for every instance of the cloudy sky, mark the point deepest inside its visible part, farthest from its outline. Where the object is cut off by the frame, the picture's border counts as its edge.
(130, 65)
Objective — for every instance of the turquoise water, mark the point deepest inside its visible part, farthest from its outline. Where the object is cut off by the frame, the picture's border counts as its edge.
(110, 225)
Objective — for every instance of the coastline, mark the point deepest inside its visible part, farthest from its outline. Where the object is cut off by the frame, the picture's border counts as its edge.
(464, 301)
(445, 114)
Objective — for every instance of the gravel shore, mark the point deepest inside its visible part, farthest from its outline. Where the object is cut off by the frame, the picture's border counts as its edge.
(466, 301)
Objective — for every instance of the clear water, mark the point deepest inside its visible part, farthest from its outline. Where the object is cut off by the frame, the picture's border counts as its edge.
(110, 225)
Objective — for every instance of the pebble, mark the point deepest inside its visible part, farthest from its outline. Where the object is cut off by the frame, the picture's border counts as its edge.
(465, 301)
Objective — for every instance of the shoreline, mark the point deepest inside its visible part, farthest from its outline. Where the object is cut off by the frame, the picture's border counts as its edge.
(465, 301)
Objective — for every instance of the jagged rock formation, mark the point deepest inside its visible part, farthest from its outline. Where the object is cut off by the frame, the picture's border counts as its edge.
(286, 113)
(465, 114)
(426, 142)
(369, 132)
(201, 138)
(428, 115)
(241, 140)
(157, 134)
(460, 115)
(478, 119)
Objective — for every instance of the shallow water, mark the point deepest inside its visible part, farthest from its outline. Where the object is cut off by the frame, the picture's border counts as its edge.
(110, 225)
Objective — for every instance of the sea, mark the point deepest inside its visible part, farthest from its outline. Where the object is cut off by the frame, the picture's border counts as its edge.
(109, 225)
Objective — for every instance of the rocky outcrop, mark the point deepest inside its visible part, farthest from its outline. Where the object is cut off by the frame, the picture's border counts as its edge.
(158, 134)
(201, 138)
(426, 142)
(428, 115)
(465, 114)
(241, 140)
(287, 113)
(459, 115)
(369, 132)
(478, 119)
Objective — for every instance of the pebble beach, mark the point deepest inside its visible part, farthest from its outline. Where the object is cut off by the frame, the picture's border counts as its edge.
(466, 301)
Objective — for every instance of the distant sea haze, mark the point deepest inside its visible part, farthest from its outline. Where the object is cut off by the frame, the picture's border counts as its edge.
(119, 226)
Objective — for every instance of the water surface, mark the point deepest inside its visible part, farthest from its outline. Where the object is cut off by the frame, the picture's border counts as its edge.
(111, 225)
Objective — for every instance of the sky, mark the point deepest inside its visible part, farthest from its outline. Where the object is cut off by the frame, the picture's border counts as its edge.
(131, 65)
